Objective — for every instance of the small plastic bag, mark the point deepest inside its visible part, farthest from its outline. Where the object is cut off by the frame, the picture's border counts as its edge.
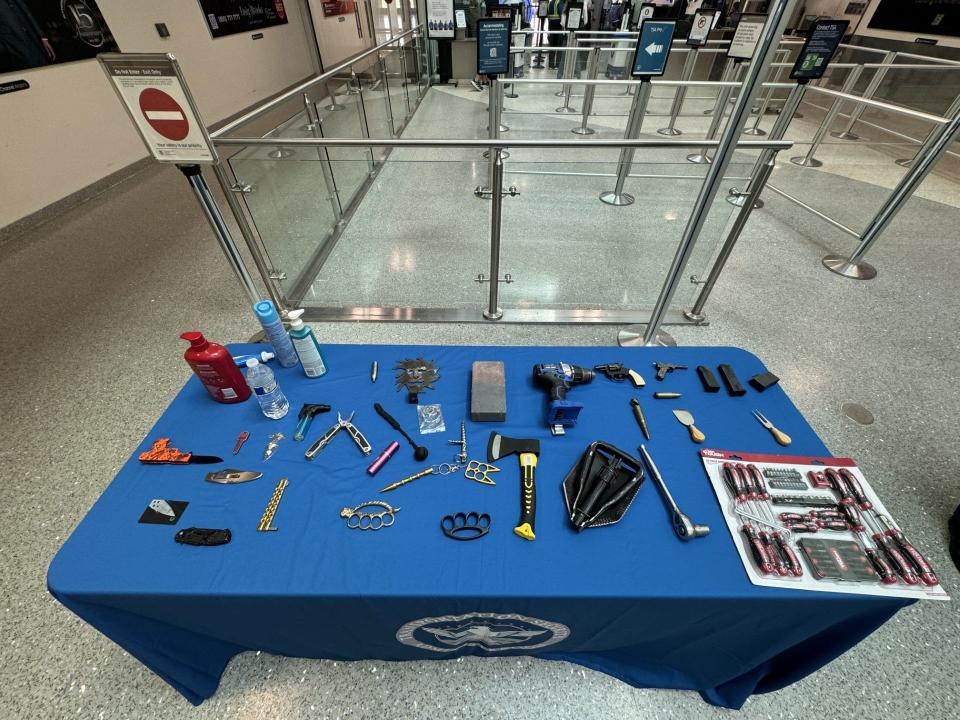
(431, 419)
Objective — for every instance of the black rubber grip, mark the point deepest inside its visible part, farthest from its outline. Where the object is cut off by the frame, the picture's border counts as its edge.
(757, 550)
(528, 501)
(927, 575)
(856, 488)
(796, 569)
(886, 573)
(900, 563)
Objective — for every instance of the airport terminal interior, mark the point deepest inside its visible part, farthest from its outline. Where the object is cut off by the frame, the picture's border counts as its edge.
(744, 210)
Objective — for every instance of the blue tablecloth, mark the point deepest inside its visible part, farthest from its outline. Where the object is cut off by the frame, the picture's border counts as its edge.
(630, 600)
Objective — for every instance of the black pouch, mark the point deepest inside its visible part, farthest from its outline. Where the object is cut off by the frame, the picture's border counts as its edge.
(600, 488)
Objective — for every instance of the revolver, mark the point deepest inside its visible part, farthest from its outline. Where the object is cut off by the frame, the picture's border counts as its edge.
(664, 368)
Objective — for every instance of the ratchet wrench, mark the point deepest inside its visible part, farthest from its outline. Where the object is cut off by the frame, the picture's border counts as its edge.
(682, 525)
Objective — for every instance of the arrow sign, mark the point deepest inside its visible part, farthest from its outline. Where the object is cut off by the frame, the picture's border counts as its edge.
(653, 48)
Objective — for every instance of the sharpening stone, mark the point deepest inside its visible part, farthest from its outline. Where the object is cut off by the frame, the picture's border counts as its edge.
(488, 392)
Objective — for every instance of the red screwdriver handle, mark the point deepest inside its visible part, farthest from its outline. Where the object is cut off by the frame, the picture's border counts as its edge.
(857, 489)
(756, 549)
(792, 517)
(773, 555)
(826, 514)
(801, 527)
(899, 562)
(734, 482)
(852, 517)
(796, 569)
(747, 481)
(886, 573)
(758, 481)
(927, 575)
(835, 525)
(839, 485)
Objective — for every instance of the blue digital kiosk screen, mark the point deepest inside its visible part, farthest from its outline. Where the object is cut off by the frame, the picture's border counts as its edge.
(493, 46)
(653, 48)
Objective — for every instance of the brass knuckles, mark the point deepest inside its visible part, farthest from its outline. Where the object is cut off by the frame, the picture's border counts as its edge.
(465, 526)
(359, 520)
(480, 472)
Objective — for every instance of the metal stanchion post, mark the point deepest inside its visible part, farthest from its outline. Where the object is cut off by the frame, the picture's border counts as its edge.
(755, 130)
(538, 56)
(511, 93)
(220, 230)
(634, 123)
(365, 133)
(728, 69)
(768, 161)
(854, 266)
(787, 114)
(809, 160)
(569, 59)
(386, 93)
(568, 41)
(334, 105)
(687, 73)
(591, 89)
(874, 85)
(770, 36)
(324, 158)
(931, 138)
(494, 127)
(703, 157)
(406, 78)
(493, 311)
(353, 86)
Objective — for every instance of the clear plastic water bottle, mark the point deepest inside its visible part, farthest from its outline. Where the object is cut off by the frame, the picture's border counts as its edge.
(265, 388)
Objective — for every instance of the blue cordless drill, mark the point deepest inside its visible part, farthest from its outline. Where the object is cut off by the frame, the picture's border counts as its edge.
(558, 378)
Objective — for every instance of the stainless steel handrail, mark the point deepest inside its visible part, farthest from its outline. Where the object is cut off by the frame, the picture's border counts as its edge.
(928, 58)
(299, 89)
(489, 143)
(880, 105)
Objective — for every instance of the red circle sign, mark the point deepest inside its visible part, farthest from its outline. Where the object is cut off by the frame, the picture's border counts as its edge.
(164, 114)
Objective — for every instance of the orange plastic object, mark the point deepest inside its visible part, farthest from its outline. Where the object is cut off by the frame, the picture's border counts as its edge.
(161, 452)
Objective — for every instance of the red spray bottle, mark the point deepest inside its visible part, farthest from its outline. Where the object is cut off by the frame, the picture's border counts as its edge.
(216, 369)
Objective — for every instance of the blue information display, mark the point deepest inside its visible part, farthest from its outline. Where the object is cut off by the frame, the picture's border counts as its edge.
(493, 46)
(822, 42)
(653, 48)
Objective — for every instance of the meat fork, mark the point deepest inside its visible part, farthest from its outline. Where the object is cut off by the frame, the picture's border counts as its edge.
(778, 435)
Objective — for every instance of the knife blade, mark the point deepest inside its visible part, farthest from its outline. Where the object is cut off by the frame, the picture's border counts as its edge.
(162, 453)
(231, 476)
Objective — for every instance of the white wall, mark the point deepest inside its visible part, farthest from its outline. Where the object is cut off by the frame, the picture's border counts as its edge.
(69, 129)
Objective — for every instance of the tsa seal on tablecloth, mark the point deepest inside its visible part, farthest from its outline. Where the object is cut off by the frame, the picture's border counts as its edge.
(493, 632)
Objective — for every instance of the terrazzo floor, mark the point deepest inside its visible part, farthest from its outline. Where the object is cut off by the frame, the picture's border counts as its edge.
(96, 298)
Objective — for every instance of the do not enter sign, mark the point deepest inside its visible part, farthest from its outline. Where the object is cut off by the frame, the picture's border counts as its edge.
(153, 91)
(164, 114)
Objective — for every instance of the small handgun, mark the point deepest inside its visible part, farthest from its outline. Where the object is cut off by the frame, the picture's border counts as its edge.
(664, 368)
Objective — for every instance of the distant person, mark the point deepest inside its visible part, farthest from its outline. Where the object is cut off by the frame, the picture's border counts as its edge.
(555, 22)
(23, 43)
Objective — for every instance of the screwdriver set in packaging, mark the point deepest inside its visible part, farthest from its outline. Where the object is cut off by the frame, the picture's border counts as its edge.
(814, 523)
